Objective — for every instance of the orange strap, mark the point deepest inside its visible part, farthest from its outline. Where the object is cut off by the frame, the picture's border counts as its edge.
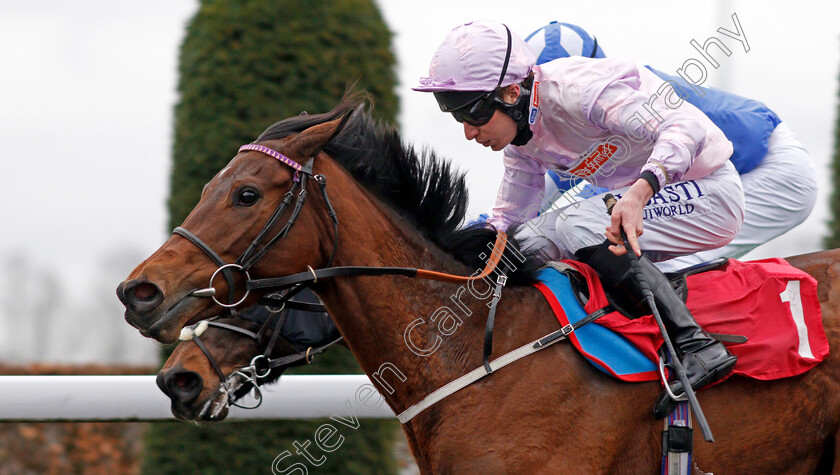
(492, 263)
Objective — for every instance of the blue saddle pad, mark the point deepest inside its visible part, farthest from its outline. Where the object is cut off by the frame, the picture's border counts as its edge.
(607, 350)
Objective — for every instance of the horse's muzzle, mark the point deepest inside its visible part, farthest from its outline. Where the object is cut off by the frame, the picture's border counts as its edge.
(183, 388)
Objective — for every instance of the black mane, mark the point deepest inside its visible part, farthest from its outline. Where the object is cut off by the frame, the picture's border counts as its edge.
(425, 189)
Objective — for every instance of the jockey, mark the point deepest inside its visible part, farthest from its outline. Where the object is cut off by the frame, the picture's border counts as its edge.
(777, 174)
(591, 118)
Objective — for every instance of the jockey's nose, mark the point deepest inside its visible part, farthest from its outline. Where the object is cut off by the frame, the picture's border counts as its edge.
(470, 131)
(180, 385)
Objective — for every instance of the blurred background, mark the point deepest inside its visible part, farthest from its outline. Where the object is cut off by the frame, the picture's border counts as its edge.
(87, 91)
(87, 97)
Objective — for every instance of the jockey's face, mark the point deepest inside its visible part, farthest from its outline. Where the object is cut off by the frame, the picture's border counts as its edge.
(496, 134)
(500, 130)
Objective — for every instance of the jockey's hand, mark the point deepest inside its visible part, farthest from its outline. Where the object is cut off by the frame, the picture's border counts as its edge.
(627, 215)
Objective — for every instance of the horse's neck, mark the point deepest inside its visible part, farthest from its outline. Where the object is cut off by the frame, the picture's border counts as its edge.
(374, 313)
(413, 336)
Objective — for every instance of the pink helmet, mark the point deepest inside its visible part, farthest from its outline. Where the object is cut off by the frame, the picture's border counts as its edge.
(472, 58)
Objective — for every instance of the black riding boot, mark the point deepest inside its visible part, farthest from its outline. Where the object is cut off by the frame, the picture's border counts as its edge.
(704, 359)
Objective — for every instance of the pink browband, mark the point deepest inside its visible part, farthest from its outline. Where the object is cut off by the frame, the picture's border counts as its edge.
(273, 153)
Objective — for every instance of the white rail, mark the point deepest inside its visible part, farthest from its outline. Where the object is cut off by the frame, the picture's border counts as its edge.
(137, 398)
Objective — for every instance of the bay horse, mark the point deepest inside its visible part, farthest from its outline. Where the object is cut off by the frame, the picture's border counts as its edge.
(548, 413)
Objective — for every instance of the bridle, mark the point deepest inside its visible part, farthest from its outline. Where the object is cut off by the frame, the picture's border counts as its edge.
(254, 374)
(297, 282)
(255, 252)
(261, 365)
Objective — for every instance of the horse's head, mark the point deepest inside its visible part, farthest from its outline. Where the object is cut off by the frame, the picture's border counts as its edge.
(189, 379)
(254, 199)
(221, 361)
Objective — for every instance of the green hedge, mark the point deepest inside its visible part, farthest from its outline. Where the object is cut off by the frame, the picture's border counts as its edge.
(244, 65)
(833, 239)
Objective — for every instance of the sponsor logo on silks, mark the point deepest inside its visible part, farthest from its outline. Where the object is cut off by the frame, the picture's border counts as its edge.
(676, 200)
(593, 160)
(535, 103)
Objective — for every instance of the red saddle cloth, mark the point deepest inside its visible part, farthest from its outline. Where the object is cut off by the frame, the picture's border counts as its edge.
(772, 303)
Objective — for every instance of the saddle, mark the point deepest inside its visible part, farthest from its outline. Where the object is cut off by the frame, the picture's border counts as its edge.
(766, 311)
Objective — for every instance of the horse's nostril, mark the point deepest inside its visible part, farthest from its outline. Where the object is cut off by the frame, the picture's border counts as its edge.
(181, 385)
(184, 380)
(139, 295)
(145, 291)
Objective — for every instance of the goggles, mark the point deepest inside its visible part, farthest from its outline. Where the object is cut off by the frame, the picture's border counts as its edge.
(473, 107)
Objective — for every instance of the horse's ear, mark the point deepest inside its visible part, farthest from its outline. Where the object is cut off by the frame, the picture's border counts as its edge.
(311, 141)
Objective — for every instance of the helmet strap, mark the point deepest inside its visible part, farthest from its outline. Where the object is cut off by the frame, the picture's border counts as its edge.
(518, 111)
(507, 57)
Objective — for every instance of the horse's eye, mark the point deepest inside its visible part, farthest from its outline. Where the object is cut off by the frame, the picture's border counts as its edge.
(247, 197)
